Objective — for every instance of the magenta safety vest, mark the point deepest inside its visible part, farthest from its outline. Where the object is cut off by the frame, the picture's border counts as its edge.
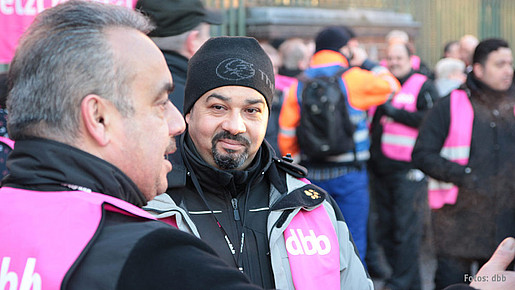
(313, 249)
(398, 139)
(456, 148)
(43, 233)
(7, 142)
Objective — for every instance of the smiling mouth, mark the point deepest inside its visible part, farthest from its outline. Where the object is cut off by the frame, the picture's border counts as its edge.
(230, 145)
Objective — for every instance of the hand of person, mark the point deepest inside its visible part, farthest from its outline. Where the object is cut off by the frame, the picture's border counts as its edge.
(388, 109)
(493, 274)
(359, 55)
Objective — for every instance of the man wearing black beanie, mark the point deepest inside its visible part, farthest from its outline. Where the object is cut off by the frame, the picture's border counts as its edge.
(255, 210)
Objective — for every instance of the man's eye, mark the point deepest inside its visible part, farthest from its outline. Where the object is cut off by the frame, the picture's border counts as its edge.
(253, 110)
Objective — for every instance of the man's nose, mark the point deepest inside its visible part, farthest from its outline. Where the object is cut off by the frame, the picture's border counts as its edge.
(176, 124)
(234, 124)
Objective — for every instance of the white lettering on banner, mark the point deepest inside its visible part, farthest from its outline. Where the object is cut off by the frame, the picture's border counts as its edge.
(298, 244)
(34, 7)
(29, 279)
(31, 7)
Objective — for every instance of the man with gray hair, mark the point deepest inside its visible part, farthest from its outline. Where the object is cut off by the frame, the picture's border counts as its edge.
(86, 84)
(450, 74)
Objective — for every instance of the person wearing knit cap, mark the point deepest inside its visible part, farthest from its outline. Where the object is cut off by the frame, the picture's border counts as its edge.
(182, 26)
(254, 209)
(364, 85)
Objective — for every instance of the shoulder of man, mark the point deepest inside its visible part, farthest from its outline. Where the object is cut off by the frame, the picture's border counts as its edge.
(167, 257)
(287, 165)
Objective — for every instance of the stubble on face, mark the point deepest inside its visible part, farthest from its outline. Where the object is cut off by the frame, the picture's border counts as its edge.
(230, 159)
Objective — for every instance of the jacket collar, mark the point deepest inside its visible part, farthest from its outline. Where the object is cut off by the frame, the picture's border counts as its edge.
(487, 96)
(262, 167)
(48, 165)
(177, 63)
(328, 58)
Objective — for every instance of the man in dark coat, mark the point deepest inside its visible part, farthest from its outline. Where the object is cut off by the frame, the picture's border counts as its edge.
(469, 223)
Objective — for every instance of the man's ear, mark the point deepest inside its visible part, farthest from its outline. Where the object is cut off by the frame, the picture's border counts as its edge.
(192, 43)
(187, 117)
(478, 70)
(94, 114)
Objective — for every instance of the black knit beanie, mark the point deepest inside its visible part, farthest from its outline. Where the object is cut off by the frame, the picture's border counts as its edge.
(332, 38)
(229, 61)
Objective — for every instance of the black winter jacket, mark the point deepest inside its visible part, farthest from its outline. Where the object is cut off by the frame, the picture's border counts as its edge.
(240, 202)
(178, 66)
(484, 213)
(126, 252)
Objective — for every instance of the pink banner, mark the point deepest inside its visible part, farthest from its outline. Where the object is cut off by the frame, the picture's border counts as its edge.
(17, 15)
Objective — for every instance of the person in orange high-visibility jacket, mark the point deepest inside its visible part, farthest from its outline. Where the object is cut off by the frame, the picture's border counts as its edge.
(364, 85)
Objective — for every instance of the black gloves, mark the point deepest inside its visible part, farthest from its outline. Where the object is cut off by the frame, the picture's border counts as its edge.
(389, 109)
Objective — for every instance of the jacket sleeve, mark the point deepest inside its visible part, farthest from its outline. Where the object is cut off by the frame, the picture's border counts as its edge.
(366, 89)
(288, 122)
(352, 272)
(430, 140)
(426, 98)
(169, 259)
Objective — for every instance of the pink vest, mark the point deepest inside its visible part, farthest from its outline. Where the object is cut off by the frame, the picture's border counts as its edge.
(43, 233)
(7, 142)
(456, 148)
(313, 249)
(398, 139)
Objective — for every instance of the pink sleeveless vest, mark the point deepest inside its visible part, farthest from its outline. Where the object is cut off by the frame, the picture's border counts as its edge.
(398, 139)
(43, 233)
(455, 148)
(313, 249)
(7, 141)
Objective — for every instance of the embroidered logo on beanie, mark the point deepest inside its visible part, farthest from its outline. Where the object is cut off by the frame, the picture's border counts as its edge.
(235, 69)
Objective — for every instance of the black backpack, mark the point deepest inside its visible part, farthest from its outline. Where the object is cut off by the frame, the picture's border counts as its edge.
(325, 127)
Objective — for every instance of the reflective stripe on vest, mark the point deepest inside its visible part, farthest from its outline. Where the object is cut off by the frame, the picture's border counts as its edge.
(398, 139)
(456, 148)
(43, 233)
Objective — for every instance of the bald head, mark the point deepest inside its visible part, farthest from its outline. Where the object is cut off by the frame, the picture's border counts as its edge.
(468, 44)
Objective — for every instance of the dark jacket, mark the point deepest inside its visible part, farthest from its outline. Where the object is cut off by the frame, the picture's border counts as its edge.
(380, 164)
(126, 252)
(178, 66)
(260, 202)
(230, 194)
(484, 213)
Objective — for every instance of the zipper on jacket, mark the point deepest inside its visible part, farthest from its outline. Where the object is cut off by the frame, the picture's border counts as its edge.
(234, 202)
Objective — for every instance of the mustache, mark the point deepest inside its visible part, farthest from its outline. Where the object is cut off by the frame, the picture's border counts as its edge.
(226, 135)
(171, 148)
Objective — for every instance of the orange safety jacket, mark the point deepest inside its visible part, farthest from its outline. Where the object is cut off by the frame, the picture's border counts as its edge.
(364, 90)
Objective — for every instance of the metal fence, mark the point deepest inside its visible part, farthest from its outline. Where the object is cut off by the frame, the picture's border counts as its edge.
(441, 20)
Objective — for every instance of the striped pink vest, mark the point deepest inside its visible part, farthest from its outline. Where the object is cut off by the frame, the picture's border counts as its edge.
(456, 148)
(43, 233)
(398, 139)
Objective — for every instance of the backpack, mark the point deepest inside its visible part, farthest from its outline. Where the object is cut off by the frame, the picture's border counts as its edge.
(325, 127)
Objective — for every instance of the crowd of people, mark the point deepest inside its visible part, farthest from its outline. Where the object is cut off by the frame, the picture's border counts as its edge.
(150, 155)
